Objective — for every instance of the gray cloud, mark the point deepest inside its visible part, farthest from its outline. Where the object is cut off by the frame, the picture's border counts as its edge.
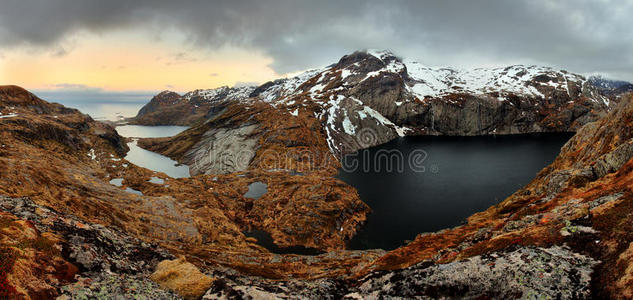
(580, 35)
(180, 58)
(59, 52)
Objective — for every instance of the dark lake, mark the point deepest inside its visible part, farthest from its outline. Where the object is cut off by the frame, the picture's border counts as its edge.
(440, 181)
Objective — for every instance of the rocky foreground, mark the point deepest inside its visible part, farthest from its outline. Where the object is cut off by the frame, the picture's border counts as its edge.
(65, 231)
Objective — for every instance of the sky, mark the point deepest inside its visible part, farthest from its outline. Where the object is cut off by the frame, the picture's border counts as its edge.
(145, 46)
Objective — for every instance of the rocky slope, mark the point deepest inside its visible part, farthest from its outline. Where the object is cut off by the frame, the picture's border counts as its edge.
(565, 235)
(65, 230)
(368, 98)
(61, 160)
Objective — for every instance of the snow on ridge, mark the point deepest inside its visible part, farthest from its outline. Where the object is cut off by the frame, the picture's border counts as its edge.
(435, 82)
(288, 86)
(422, 81)
(92, 154)
(380, 53)
(235, 93)
(394, 66)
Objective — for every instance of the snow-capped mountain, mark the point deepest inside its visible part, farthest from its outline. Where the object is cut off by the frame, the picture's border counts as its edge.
(221, 93)
(370, 97)
(610, 87)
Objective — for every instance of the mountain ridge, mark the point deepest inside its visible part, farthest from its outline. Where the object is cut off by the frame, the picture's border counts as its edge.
(370, 98)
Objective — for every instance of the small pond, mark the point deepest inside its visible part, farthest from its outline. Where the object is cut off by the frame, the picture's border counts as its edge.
(265, 240)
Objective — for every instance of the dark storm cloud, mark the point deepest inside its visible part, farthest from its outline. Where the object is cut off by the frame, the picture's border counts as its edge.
(582, 35)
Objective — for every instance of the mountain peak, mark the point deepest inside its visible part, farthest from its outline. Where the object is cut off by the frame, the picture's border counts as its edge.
(167, 92)
(380, 53)
(368, 60)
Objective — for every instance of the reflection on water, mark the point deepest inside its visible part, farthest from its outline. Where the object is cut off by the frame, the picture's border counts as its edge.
(265, 240)
(149, 131)
(256, 190)
(156, 180)
(462, 175)
(151, 160)
(117, 181)
(110, 110)
(133, 191)
(155, 161)
(104, 107)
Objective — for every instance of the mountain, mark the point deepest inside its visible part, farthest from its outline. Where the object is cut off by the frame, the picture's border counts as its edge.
(188, 108)
(610, 87)
(371, 97)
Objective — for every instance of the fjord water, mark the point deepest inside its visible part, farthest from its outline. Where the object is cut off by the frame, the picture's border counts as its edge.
(101, 108)
(151, 160)
(141, 131)
(458, 176)
(155, 162)
(111, 109)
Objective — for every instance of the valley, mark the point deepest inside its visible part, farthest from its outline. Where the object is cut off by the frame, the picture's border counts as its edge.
(554, 224)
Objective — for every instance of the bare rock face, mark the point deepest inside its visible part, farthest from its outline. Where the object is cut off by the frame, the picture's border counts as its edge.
(521, 273)
(91, 247)
(525, 273)
(253, 136)
(222, 151)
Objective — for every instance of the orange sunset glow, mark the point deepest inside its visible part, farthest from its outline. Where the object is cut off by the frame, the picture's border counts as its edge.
(123, 62)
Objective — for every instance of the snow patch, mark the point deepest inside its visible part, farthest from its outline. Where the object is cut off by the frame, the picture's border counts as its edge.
(401, 131)
(92, 154)
(362, 115)
(8, 116)
(348, 126)
(345, 73)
